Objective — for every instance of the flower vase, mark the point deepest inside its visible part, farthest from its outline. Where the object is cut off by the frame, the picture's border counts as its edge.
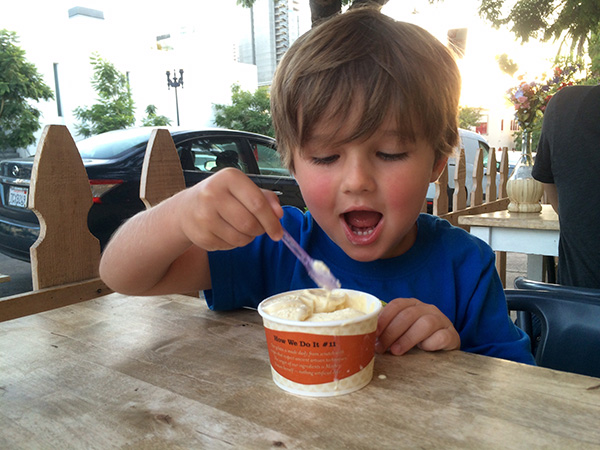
(524, 192)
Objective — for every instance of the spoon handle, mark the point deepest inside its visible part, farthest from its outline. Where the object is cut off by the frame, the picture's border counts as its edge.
(300, 253)
(317, 270)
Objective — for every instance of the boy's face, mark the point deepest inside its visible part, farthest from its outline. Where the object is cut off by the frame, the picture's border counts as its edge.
(366, 194)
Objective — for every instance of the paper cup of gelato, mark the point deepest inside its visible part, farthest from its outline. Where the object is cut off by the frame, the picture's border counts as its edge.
(321, 343)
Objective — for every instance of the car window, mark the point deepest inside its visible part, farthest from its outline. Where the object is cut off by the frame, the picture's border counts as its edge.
(211, 154)
(268, 160)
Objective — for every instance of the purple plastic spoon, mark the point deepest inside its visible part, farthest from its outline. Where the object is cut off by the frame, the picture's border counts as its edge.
(316, 269)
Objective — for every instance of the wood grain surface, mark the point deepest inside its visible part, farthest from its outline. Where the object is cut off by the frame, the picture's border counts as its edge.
(166, 372)
(545, 220)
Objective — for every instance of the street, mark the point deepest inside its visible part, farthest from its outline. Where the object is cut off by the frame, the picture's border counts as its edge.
(20, 276)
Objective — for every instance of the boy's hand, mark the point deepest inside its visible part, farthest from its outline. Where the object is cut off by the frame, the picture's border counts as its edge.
(407, 322)
(228, 210)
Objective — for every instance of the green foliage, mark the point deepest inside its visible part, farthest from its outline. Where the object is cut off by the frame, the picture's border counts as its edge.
(506, 64)
(469, 117)
(115, 106)
(152, 120)
(248, 111)
(573, 20)
(19, 83)
(594, 53)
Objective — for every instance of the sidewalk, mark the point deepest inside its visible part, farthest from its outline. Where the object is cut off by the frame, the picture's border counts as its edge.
(516, 265)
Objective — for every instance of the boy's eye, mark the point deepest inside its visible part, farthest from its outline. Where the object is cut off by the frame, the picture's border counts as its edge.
(324, 160)
(392, 156)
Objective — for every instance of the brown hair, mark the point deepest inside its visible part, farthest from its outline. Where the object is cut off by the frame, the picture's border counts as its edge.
(363, 57)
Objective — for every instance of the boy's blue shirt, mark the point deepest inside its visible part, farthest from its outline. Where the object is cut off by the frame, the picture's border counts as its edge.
(446, 267)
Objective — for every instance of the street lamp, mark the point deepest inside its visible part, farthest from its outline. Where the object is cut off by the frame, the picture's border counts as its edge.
(175, 83)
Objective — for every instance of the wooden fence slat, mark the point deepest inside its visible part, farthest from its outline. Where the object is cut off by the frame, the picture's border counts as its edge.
(61, 198)
(440, 201)
(476, 187)
(162, 175)
(503, 173)
(34, 302)
(459, 198)
(490, 176)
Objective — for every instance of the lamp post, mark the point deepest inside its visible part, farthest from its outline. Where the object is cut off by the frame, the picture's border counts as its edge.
(175, 83)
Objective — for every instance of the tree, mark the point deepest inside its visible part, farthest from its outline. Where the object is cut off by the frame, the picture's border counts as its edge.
(115, 106)
(594, 52)
(152, 120)
(540, 19)
(468, 117)
(506, 64)
(248, 111)
(322, 9)
(20, 82)
(573, 20)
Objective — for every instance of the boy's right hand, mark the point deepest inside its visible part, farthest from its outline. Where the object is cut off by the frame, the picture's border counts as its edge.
(229, 210)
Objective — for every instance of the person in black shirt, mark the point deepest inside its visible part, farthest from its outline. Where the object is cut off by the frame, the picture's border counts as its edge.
(568, 163)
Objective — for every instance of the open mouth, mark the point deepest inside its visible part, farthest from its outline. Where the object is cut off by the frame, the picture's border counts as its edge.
(362, 223)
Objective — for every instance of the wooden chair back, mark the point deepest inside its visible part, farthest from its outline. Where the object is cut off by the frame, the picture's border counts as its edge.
(66, 256)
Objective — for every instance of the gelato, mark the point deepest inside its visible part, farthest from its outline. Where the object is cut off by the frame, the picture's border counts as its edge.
(316, 305)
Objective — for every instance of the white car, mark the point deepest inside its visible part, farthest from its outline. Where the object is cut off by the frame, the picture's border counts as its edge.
(470, 141)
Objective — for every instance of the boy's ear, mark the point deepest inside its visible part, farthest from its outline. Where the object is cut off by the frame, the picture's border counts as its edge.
(438, 168)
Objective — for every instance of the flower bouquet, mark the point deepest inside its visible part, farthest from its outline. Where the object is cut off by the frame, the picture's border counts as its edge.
(530, 100)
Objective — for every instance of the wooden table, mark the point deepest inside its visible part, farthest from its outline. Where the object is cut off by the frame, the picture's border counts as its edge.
(165, 372)
(535, 234)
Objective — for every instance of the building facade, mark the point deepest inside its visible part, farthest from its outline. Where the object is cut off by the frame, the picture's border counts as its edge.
(273, 26)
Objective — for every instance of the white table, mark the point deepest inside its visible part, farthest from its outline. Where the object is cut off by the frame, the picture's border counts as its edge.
(535, 234)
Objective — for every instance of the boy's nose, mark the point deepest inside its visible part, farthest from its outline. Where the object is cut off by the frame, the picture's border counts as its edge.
(358, 176)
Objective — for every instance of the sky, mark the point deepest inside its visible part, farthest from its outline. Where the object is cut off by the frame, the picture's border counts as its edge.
(219, 24)
(483, 82)
(133, 20)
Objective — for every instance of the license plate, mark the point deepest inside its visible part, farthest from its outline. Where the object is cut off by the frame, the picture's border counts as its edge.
(17, 196)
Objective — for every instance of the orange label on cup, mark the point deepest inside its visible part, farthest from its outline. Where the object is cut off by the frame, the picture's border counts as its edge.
(317, 359)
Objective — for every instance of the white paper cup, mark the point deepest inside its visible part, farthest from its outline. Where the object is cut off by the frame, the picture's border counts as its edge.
(322, 359)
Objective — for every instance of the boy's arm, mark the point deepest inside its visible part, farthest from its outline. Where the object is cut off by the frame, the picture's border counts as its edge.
(149, 255)
(164, 250)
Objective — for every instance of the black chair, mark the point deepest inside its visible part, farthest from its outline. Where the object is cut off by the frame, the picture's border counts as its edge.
(525, 283)
(570, 324)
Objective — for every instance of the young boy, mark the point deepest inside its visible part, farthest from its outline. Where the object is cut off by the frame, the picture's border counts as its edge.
(365, 112)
